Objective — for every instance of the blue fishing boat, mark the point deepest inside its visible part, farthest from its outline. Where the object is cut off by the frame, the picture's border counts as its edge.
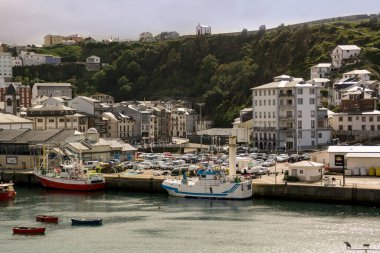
(86, 222)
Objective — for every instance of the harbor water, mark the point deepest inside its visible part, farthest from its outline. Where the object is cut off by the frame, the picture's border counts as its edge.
(140, 222)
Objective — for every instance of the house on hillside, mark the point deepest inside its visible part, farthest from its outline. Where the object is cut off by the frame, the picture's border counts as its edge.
(361, 74)
(203, 29)
(321, 70)
(93, 63)
(344, 54)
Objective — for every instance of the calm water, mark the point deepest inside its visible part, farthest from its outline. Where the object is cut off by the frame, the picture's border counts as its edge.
(135, 222)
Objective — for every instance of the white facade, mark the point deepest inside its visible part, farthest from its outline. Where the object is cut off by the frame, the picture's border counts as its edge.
(16, 61)
(93, 59)
(361, 74)
(344, 53)
(361, 122)
(286, 116)
(203, 29)
(6, 65)
(320, 70)
(11, 122)
(52, 90)
(306, 171)
(31, 58)
(83, 104)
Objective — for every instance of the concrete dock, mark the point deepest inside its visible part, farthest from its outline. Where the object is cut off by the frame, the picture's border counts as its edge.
(357, 190)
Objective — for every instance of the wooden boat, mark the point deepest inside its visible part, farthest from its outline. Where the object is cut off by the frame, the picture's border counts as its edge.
(29, 230)
(7, 191)
(47, 218)
(86, 222)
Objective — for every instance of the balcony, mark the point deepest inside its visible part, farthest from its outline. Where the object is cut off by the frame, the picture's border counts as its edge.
(286, 118)
(287, 129)
(287, 107)
(265, 129)
(287, 94)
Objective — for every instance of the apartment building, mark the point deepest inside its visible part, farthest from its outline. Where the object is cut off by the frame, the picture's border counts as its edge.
(286, 115)
(6, 65)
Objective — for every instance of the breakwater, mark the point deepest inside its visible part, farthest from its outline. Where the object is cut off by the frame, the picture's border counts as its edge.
(350, 195)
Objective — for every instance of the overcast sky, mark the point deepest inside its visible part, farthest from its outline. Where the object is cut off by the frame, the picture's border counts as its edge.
(28, 21)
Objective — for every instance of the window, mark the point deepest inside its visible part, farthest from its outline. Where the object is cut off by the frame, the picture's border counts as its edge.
(313, 124)
(349, 127)
(378, 118)
(299, 91)
(300, 101)
(319, 135)
(312, 134)
(312, 91)
(363, 119)
(274, 114)
(301, 171)
(74, 120)
(274, 102)
(61, 120)
(312, 101)
(299, 114)
(265, 93)
(51, 120)
(259, 115)
(259, 102)
(363, 127)
(255, 115)
(340, 127)
(370, 119)
(300, 135)
(265, 115)
(39, 120)
(264, 102)
(255, 92)
(300, 124)
(260, 93)
(340, 119)
(255, 102)
(372, 127)
(312, 113)
(269, 102)
(349, 119)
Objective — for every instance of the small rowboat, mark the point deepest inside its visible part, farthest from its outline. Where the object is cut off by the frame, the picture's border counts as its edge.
(86, 222)
(29, 230)
(47, 218)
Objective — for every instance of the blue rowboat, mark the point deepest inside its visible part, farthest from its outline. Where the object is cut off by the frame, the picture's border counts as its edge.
(86, 222)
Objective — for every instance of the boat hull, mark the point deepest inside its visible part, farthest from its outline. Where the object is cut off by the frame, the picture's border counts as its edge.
(69, 184)
(47, 218)
(29, 230)
(7, 195)
(239, 191)
(86, 222)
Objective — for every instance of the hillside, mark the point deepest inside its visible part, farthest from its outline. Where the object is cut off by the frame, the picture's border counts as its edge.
(217, 69)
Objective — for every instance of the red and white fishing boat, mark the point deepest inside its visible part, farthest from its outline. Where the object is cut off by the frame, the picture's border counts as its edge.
(69, 175)
(29, 230)
(7, 191)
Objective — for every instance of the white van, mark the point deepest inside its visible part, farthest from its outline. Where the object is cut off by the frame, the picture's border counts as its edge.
(90, 164)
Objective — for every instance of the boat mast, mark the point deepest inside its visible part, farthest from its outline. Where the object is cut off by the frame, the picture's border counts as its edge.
(232, 156)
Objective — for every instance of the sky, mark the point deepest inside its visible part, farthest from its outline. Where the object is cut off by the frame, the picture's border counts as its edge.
(28, 21)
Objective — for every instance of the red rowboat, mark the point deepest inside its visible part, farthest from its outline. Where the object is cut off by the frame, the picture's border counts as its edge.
(47, 218)
(29, 230)
(7, 191)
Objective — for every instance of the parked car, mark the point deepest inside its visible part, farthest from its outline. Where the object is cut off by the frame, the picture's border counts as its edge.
(293, 158)
(90, 164)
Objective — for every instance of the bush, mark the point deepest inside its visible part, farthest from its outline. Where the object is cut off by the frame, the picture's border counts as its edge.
(292, 179)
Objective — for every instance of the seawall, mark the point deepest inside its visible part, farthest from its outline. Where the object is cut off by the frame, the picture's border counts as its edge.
(349, 195)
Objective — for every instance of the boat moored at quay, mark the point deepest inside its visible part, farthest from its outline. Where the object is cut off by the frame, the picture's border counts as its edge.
(7, 192)
(212, 183)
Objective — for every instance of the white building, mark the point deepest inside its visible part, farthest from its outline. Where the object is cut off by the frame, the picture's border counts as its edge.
(344, 54)
(16, 62)
(32, 59)
(203, 29)
(306, 171)
(6, 65)
(11, 122)
(286, 115)
(52, 90)
(321, 70)
(361, 74)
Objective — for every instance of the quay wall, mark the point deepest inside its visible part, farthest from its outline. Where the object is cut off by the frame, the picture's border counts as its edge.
(348, 194)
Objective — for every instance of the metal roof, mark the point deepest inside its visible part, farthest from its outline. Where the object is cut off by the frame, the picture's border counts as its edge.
(363, 155)
(305, 164)
(6, 118)
(349, 47)
(353, 149)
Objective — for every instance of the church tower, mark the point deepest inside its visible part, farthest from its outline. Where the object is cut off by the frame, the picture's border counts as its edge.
(11, 100)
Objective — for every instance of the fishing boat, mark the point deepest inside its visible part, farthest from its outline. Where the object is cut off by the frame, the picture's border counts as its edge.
(212, 183)
(29, 230)
(86, 222)
(7, 191)
(67, 174)
(47, 218)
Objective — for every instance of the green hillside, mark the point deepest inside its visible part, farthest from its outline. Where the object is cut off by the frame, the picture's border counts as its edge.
(218, 69)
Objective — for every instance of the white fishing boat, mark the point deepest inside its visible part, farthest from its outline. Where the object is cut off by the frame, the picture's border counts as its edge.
(212, 183)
